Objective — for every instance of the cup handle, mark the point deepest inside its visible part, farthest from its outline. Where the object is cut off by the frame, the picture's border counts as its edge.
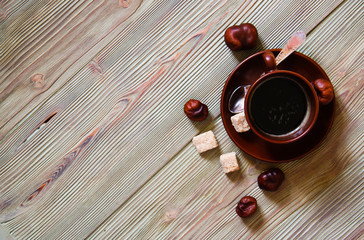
(270, 62)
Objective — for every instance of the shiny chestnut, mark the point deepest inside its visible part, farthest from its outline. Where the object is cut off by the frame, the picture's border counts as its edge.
(247, 206)
(325, 91)
(271, 179)
(195, 110)
(240, 37)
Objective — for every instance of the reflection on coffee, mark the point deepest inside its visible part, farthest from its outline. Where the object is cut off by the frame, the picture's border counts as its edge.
(278, 106)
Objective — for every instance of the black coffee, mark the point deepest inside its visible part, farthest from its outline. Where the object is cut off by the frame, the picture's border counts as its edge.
(278, 106)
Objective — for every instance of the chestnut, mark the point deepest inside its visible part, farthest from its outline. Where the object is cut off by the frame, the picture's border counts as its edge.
(325, 90)
(239, 37)
(246, 206)
(271, 179)
(195, 110)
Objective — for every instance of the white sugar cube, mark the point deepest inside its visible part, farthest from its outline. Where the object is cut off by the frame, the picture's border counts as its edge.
(239, 122)
(205, 141)
(229, 162)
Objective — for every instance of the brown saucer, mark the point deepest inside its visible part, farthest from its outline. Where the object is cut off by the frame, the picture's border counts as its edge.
(246, 73)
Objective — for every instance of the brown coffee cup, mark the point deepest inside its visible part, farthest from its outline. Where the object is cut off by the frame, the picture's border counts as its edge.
(281, 106)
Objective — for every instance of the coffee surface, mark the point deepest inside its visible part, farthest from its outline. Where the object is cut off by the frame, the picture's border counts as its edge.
(278, 106)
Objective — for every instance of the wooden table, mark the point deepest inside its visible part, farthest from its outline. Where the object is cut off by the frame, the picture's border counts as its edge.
(94, 143)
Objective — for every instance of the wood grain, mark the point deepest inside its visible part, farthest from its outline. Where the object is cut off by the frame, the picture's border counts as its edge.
(58, 32)
(197, 200)
(108, 133)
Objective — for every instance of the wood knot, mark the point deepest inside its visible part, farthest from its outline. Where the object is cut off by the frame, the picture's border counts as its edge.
(38, 80)
(125, 3)
(95, 66)
(342, 72)
(170, 214)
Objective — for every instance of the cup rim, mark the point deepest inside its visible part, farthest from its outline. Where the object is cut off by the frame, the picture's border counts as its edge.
(278, 139)
(256, 147)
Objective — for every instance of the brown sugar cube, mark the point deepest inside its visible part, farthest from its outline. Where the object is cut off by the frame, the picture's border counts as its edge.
(229, 162)
(239, 122)
(205, 141)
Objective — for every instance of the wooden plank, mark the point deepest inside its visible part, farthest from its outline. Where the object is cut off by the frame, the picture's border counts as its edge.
(100, 147)
(321, 197)
(44, 43)
(4, 234)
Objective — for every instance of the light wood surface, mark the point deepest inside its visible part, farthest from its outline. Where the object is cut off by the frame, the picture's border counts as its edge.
(94, 143)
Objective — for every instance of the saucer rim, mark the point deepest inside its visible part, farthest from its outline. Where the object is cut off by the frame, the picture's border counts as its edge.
(225, 119)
